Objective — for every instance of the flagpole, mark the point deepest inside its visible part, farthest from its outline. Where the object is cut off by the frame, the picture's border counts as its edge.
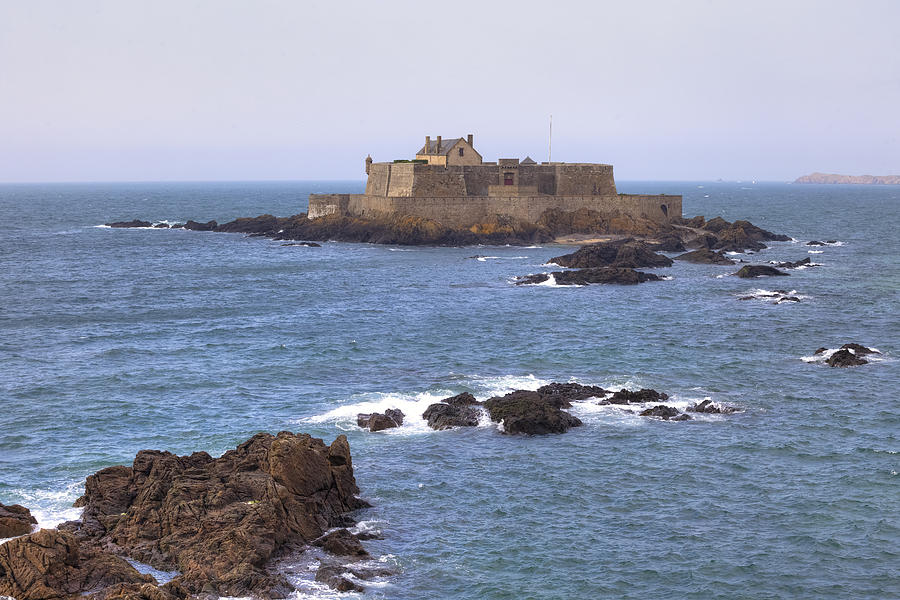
(550, 142)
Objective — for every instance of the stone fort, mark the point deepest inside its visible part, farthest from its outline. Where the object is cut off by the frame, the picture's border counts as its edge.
(450, 183)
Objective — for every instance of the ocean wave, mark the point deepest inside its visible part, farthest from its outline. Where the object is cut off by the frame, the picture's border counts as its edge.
(815, 251)
(775, 296)
(54, 506)
(876, 355)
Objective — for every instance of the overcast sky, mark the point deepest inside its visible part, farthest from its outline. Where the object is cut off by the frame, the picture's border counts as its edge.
(228, 90)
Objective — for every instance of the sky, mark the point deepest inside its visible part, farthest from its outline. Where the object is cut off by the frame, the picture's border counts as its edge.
(257, 90)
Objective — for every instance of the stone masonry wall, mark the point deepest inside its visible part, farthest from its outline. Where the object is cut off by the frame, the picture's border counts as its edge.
(468, 210)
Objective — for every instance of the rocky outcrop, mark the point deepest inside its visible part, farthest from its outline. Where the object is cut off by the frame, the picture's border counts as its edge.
(859, 349)
(15, 520)
(706, 256)
(818, 243)
(195, 226)
(776, 296)
(530, 413)
(391, 418)
(334, 574)
(589, 276)
(341, 542)
(751, 271)
(641, 396)
(458, 411)
(625, 253)
(50, 565)
(303, 244)
(666, 413)
(806, 262)
(561, 395)
(220, 521)
(711, 408)
(845, 358)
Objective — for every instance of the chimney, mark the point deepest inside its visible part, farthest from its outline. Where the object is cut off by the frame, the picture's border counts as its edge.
(469, 139)
(427, 143)
(439, 145)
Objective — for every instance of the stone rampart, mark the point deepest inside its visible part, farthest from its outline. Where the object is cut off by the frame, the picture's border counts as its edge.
(465, 211)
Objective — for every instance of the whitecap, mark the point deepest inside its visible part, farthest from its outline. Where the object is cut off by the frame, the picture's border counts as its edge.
(815, 251)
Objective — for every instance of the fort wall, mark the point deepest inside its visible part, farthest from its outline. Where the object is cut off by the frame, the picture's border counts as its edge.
(465, 211)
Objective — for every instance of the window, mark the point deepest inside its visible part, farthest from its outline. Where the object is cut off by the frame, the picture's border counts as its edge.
(462, 151)
(507, 179)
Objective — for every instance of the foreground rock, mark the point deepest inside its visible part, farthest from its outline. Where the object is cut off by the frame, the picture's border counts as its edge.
(15, 520)
(530, 413)
(619, 276)
(458, 411)
(738, 236)
(751, 271)
(55, 564)
(391, 418)
(220, 521)
(706, 256)
(626, 253)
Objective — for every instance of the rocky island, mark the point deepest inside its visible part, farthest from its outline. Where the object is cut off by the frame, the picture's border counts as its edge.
(854, 179)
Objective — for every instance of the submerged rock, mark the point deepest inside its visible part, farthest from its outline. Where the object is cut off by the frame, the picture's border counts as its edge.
(391, 418)
(529, 412)
(457, 411)
(750, 271)
(15, 520)
(133, 223)
(588, 276)
(626, 253)
(706, 256)
(845, 358)
(55, 564)
(859, 349)
(220, 521)
(341, 576)
(304, 244)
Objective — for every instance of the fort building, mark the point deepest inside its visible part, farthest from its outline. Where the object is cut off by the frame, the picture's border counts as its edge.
(449, 182)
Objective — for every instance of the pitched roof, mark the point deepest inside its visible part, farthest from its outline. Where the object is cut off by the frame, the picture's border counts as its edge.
(446, 145)
(528, 161)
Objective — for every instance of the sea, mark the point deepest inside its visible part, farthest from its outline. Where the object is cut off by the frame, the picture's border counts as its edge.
(118, 340)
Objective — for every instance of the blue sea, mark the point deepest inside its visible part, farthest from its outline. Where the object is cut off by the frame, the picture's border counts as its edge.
(113, 341)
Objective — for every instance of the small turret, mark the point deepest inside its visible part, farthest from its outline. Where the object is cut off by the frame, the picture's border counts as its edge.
(368, 163)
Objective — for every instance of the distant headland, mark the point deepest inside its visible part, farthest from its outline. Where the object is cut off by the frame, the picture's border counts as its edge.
(860, 179)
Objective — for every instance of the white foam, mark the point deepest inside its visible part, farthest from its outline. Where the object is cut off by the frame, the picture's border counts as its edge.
(532, 247)
(485, 258)
(666, 277)
(875, 356)
(815, 251)
(52, 507)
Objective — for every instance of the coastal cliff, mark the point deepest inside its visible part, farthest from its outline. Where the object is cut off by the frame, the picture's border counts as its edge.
(858, 179)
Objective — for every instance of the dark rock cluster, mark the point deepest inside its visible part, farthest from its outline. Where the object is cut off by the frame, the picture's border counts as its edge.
(625, 253)
(219, 522)
(848, 355)
(391, 418)
(15, 520)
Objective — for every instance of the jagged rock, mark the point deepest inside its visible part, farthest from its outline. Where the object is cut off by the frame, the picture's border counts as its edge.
(815, 243)
(341, 542)
(666, 413)
(177, 226)
(52, 564)
(561, 395)
(457, 411)
(793, 265)
(161, 226)
(845, 358)
(15, 520)
(195, 226)
(670, 242)
(391, 418)
(219, 521)
(589, 276)
(820, 350)
(750, 271)
(625, 253)
(142, 591)
(710, 407)
(133, 223)
(528, 412)
(336, 575)
(637, 397)
(706, 256)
